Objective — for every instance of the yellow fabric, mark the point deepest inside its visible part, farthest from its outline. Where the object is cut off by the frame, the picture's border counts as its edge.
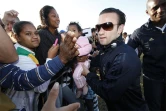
(33, 58)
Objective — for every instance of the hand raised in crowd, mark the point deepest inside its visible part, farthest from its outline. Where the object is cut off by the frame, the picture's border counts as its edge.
(52, 52)
(68, 49)
(9, 16)
(51, 101)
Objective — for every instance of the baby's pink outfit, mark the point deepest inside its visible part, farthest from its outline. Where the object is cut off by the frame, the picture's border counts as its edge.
(84, 49)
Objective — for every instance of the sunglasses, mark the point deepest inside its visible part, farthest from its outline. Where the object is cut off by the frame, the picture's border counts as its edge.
(108, 26)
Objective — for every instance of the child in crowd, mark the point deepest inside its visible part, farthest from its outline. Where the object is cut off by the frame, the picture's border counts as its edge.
(28, 39)
(84, 49)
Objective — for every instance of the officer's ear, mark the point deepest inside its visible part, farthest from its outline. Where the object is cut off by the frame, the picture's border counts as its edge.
(120, 29)
(147, 12)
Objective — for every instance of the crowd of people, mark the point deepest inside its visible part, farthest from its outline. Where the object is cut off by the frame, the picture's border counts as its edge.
(42, 68)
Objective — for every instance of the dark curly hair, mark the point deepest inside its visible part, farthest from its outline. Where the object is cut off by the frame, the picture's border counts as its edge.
(76, 24)
(44, 15)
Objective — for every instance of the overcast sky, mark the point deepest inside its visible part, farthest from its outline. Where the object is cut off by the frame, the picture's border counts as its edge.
(83, 11)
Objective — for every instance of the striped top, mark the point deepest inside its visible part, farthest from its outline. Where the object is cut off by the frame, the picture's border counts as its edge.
(13, 77)
(26, 99)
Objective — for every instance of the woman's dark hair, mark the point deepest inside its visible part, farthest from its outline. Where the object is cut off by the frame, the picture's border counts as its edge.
(76, 24)
(44, 14)
(18, 26)
(39, 27)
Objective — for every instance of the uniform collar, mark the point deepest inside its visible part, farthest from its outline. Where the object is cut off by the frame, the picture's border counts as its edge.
(115, 43)
(149, 24)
